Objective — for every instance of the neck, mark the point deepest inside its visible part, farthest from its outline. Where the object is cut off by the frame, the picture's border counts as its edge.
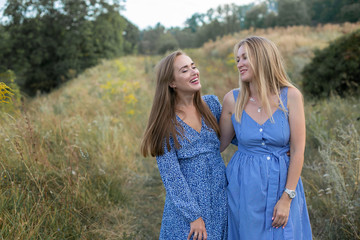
(253, 91)
(184, 100)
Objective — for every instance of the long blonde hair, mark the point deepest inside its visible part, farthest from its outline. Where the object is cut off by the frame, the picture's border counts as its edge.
(162, 123)
(269, 74)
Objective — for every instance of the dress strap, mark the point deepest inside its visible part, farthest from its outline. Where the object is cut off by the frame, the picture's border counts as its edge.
(236, 93)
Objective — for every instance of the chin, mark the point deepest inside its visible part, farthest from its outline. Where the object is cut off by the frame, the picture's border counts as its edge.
(197, 87)
(245, 80)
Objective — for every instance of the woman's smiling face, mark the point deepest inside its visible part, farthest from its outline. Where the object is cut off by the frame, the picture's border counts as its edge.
(243, 64)
(186, 75)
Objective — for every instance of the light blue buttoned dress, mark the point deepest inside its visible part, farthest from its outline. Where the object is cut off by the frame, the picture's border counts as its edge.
(256, 178)
(195, 182)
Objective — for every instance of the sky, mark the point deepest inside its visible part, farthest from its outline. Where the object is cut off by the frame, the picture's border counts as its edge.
(169, 13)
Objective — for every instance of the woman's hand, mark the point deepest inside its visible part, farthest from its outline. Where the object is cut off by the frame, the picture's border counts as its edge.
(281, 211)
(197, 228)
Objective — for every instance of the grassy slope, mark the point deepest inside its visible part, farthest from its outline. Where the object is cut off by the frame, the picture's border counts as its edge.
(70, 162)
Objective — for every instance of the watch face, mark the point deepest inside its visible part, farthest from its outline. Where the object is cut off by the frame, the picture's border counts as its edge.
(292, 194)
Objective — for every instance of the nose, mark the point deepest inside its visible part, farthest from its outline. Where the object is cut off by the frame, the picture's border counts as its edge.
(195, 71)
(239, 64)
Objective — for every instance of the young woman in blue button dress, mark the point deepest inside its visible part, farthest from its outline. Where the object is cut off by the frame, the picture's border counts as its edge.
(183, 134)
(265, 192)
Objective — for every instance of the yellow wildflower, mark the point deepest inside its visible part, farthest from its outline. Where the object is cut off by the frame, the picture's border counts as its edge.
(136, 85)
(5, 93)
(121, 67)
(130, 99)
(130, 112)
(230, 61)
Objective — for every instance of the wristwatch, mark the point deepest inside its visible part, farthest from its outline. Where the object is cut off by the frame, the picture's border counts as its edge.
(291, 193)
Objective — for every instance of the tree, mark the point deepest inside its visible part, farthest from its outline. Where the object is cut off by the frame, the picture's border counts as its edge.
(350, 13)
(255, 16)
(209, 32)
(167, 42)
(108, 34)
(131, 38)
(232, 22)
(5, 46)
(210, 14)
(271, 20)
(53, 40)
(292, 12)
(195, 21)
(329, 11)
(240, 13)
(185, 37)
(335, 69)
(149, 39)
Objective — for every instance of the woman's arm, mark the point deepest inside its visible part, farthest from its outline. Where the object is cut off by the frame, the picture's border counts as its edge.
(297, 149)
(178, 190)
(226, 126)
(297, 137)
(175, 184)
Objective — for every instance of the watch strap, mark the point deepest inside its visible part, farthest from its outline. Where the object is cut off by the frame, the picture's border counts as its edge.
(291, 193)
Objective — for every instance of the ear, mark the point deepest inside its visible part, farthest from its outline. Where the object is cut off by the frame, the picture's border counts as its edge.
(172, 85)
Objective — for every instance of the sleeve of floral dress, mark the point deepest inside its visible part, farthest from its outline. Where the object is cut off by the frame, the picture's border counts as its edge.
(214, 104)
(176, 186)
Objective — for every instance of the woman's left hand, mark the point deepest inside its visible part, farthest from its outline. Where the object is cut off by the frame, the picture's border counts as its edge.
(281, 211)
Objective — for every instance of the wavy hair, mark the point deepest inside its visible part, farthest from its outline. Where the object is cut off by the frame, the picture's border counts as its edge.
(269, 74)
(162, 123)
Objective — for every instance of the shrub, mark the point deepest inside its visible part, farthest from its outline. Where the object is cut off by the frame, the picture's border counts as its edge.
(336, 69)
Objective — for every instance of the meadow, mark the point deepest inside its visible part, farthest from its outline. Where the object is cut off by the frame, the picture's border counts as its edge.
(70, 165)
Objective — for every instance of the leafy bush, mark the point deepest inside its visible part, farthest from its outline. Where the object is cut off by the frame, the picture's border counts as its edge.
(336, 69)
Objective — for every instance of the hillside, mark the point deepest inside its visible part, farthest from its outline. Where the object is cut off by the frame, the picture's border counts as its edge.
(71, 166)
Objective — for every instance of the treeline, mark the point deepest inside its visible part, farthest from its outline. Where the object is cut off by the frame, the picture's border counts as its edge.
(231, 18)
(46, 42)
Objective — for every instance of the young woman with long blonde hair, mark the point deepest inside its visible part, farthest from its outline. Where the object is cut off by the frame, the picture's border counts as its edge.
(265, 193)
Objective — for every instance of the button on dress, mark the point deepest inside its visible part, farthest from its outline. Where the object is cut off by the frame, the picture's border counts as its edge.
(257, 175)
(195, 181)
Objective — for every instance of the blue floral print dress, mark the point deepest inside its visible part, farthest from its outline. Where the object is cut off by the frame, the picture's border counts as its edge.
(195, 181)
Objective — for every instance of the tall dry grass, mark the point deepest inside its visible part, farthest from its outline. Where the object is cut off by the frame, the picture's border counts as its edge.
(69, 160)
(331, 172)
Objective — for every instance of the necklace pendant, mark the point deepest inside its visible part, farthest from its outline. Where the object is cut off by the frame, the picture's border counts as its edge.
(259, 109)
